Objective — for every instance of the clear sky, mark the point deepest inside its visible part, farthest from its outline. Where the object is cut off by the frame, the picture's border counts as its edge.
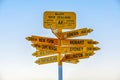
(22, 18)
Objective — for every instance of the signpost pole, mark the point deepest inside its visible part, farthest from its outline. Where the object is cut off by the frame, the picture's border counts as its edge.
(60, 72)
(60, 77)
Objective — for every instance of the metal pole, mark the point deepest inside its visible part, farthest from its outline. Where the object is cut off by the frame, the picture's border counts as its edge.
(60, 72)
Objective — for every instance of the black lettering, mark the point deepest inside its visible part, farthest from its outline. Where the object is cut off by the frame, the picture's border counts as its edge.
(89, 42)
(77, 42)
(60, 22)
(44, 46)
(42, 53)
(72, 34)
(52, 48)
(63, 17)
(83, 32)
(76, 48)
(78, 55)
(67, 17)
(70, 21)
(33, 39)
(41, 40)
(50, 41)
(60, 17)
(51, 16)
(59, 13)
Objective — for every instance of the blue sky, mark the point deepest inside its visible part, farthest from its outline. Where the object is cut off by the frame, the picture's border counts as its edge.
(22, 18)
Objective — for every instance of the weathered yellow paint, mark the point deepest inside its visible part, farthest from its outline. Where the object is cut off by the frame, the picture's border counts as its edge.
(43, 40)
(43, 53)
(75, 33)
(63, 20)
(46, 60)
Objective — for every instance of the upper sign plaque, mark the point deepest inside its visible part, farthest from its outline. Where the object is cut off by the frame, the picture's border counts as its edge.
(64, 20)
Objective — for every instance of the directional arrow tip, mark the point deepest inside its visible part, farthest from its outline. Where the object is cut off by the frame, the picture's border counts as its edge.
(97, 48)
(28, 38)
(90, 30)
(96, 42)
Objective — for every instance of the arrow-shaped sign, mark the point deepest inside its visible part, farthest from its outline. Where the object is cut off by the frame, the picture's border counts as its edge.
(75, 33)
(79, 49)
(42, 53)
(45, 60)
(46, 47)
(81, 42)
(75, 56)
(43, 40)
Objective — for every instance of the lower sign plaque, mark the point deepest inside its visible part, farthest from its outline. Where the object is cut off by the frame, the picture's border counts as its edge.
(46, 60)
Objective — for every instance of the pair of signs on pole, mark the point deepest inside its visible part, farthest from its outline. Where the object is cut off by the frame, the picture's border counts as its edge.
(73, 49)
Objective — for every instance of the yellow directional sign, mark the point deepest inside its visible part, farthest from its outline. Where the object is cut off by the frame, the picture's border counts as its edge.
(73, 61)
(75, 33)
(42, 53)
(75, 56)
(51, 48)
(81, 42)
(45, 40)
(47, 60)
(63, 20)
(79, 49)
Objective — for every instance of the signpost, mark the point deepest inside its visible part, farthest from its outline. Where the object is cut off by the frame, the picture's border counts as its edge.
(62, 49)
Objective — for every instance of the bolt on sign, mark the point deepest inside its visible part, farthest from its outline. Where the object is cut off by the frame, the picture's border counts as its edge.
(63, 20)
